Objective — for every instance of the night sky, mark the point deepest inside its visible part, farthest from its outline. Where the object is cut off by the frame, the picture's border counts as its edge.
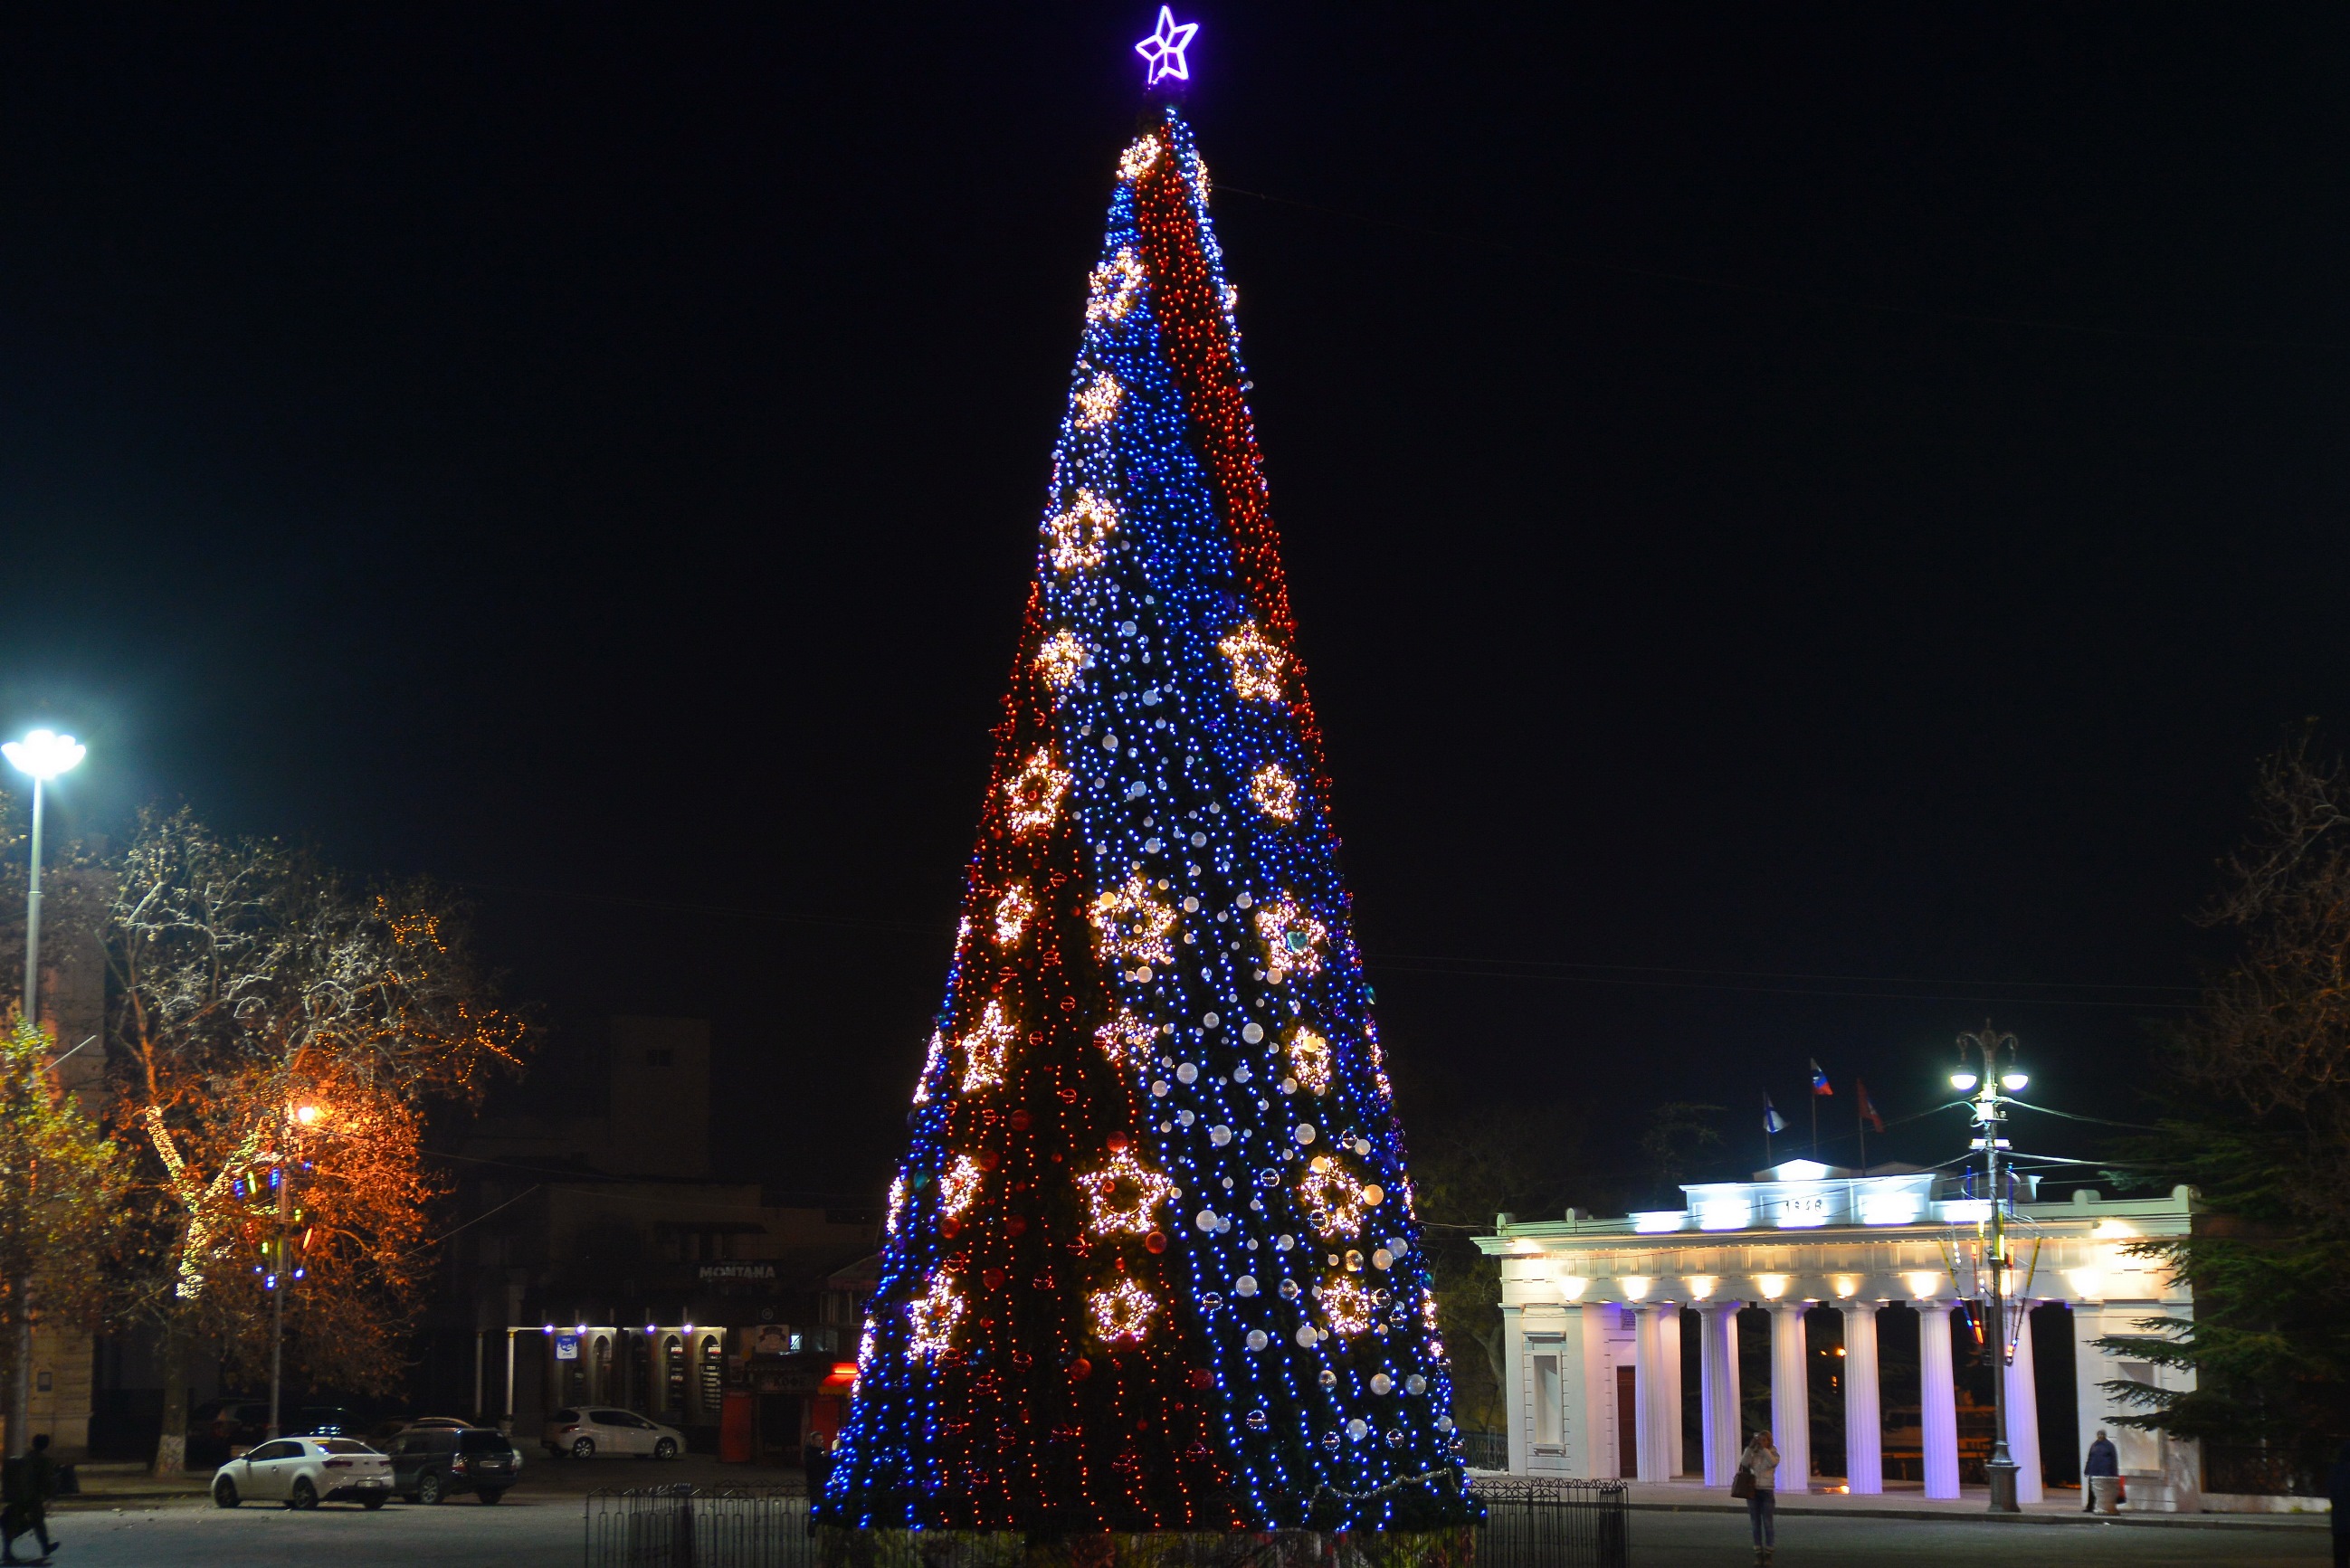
(1801, 520)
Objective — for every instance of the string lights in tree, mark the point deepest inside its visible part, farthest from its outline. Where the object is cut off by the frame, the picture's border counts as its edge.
(1152, 1262)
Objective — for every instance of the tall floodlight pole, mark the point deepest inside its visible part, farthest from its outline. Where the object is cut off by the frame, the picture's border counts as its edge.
(41, 756)
(1991, 1121)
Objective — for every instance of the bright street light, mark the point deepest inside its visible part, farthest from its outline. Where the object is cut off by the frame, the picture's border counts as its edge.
(41, 756)
(1963, 1082)
(2014, 1080)
(44, 754)
(309, 1116)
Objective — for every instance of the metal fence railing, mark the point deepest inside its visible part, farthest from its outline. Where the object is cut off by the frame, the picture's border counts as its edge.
(1529, 1523)
(1485, 1451)
(1552, 1523)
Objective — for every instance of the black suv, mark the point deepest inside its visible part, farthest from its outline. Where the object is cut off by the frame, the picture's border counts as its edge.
(430, 1463)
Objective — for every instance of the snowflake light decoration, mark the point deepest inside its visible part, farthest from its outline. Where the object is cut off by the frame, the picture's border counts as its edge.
(960, 1185)
(1346, 1307)
(1257, 663)
(897, 1205)
(1122, 1194)
(1097, 404)
(1013, 913)
(983, 1049)
(1292, 939)
(1034, 794)
(1136, 161)
(932, 1318)
(1336, 1202)
(1274, 793)
(1113, 287)
(1131, 927)
(1060, 659)
(1309, 1061)
(1124, 1038)
(1122, 1313)
(1081, 533)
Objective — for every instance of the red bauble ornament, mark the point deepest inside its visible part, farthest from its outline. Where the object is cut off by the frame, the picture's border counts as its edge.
(1019, 1120)
(989, 1159)
(995, 1278)
(1014, 1224)
(949, 1225)
(1155, 1242)
(1080, 1370)
(1116, 1143)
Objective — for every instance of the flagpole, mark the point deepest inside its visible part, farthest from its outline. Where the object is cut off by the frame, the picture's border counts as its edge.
(1860, 1121)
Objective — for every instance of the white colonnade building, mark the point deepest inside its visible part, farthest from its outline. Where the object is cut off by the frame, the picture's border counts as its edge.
(1594, 1311)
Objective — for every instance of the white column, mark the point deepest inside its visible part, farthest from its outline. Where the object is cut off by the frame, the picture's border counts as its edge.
(1864, 1435)
(1718, 1386)
(1601, 1441)
(1939, 1397)
(1791, 1397)
(2023, 1408)
(1669, 1363)
(1517, 1420)
(1653, 1455)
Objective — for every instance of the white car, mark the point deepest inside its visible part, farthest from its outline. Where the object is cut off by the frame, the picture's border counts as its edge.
(585, 1432)
(303, 1472)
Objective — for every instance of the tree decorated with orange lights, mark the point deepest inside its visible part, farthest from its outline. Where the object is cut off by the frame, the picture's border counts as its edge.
(1151, 1263)
(272, 1025)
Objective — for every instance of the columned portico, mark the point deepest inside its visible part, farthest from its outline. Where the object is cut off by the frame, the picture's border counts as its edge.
(1718, 1390)
(1585, 1301)
(2023, 1407)
(1938, 1396)
(1658, 1393)
(1790, 1398)
(1864, 1433)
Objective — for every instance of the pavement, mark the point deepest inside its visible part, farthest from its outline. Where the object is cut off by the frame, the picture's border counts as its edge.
(2061, 1508)
(125, 1521)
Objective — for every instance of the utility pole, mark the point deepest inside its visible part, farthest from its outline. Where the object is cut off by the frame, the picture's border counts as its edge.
(281, 1177)
(1990, 1123)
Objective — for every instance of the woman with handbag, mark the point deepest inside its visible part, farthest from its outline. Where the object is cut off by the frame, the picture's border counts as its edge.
(1757, 1481)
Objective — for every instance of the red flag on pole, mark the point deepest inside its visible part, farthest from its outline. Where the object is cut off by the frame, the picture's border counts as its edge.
(1868, 1107)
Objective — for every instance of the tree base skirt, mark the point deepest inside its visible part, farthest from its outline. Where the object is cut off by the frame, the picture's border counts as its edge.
(1448, 1548)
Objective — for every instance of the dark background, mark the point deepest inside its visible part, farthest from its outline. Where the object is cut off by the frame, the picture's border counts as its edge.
(1801, 518)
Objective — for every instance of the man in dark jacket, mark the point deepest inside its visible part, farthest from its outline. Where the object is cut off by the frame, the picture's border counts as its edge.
(2337, 1488)
(29, 1483)
(2101, 1477)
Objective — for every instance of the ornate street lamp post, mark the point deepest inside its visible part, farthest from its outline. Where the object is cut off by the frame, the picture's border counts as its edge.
(1991, 1121)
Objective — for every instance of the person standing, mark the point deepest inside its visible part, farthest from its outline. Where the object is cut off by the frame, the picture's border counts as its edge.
(1759, 1466)
(2337, 1489)
(29, 1483)
(2101, 1476)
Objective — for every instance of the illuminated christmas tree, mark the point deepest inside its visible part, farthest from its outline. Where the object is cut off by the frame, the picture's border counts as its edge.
(1151, 1263)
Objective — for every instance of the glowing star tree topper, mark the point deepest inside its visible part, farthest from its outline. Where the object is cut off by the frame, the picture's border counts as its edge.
(1162, 52)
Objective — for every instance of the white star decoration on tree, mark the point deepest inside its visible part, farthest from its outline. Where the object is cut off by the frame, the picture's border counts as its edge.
(1162, 52)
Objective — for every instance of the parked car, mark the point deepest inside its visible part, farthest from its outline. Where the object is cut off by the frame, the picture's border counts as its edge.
(383, 1432)
(218, 1428)
(303, 1472)
(584, 1433)
(321, 1421)
(433, 1462)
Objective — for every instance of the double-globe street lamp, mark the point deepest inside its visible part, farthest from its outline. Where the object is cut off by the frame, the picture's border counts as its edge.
(41, 756)
(1991, 1122)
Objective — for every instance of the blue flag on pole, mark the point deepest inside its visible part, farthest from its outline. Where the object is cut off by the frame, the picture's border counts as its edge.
(1773, 1122)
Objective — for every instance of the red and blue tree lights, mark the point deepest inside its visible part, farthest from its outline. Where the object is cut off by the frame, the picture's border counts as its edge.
(1151, 1263)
